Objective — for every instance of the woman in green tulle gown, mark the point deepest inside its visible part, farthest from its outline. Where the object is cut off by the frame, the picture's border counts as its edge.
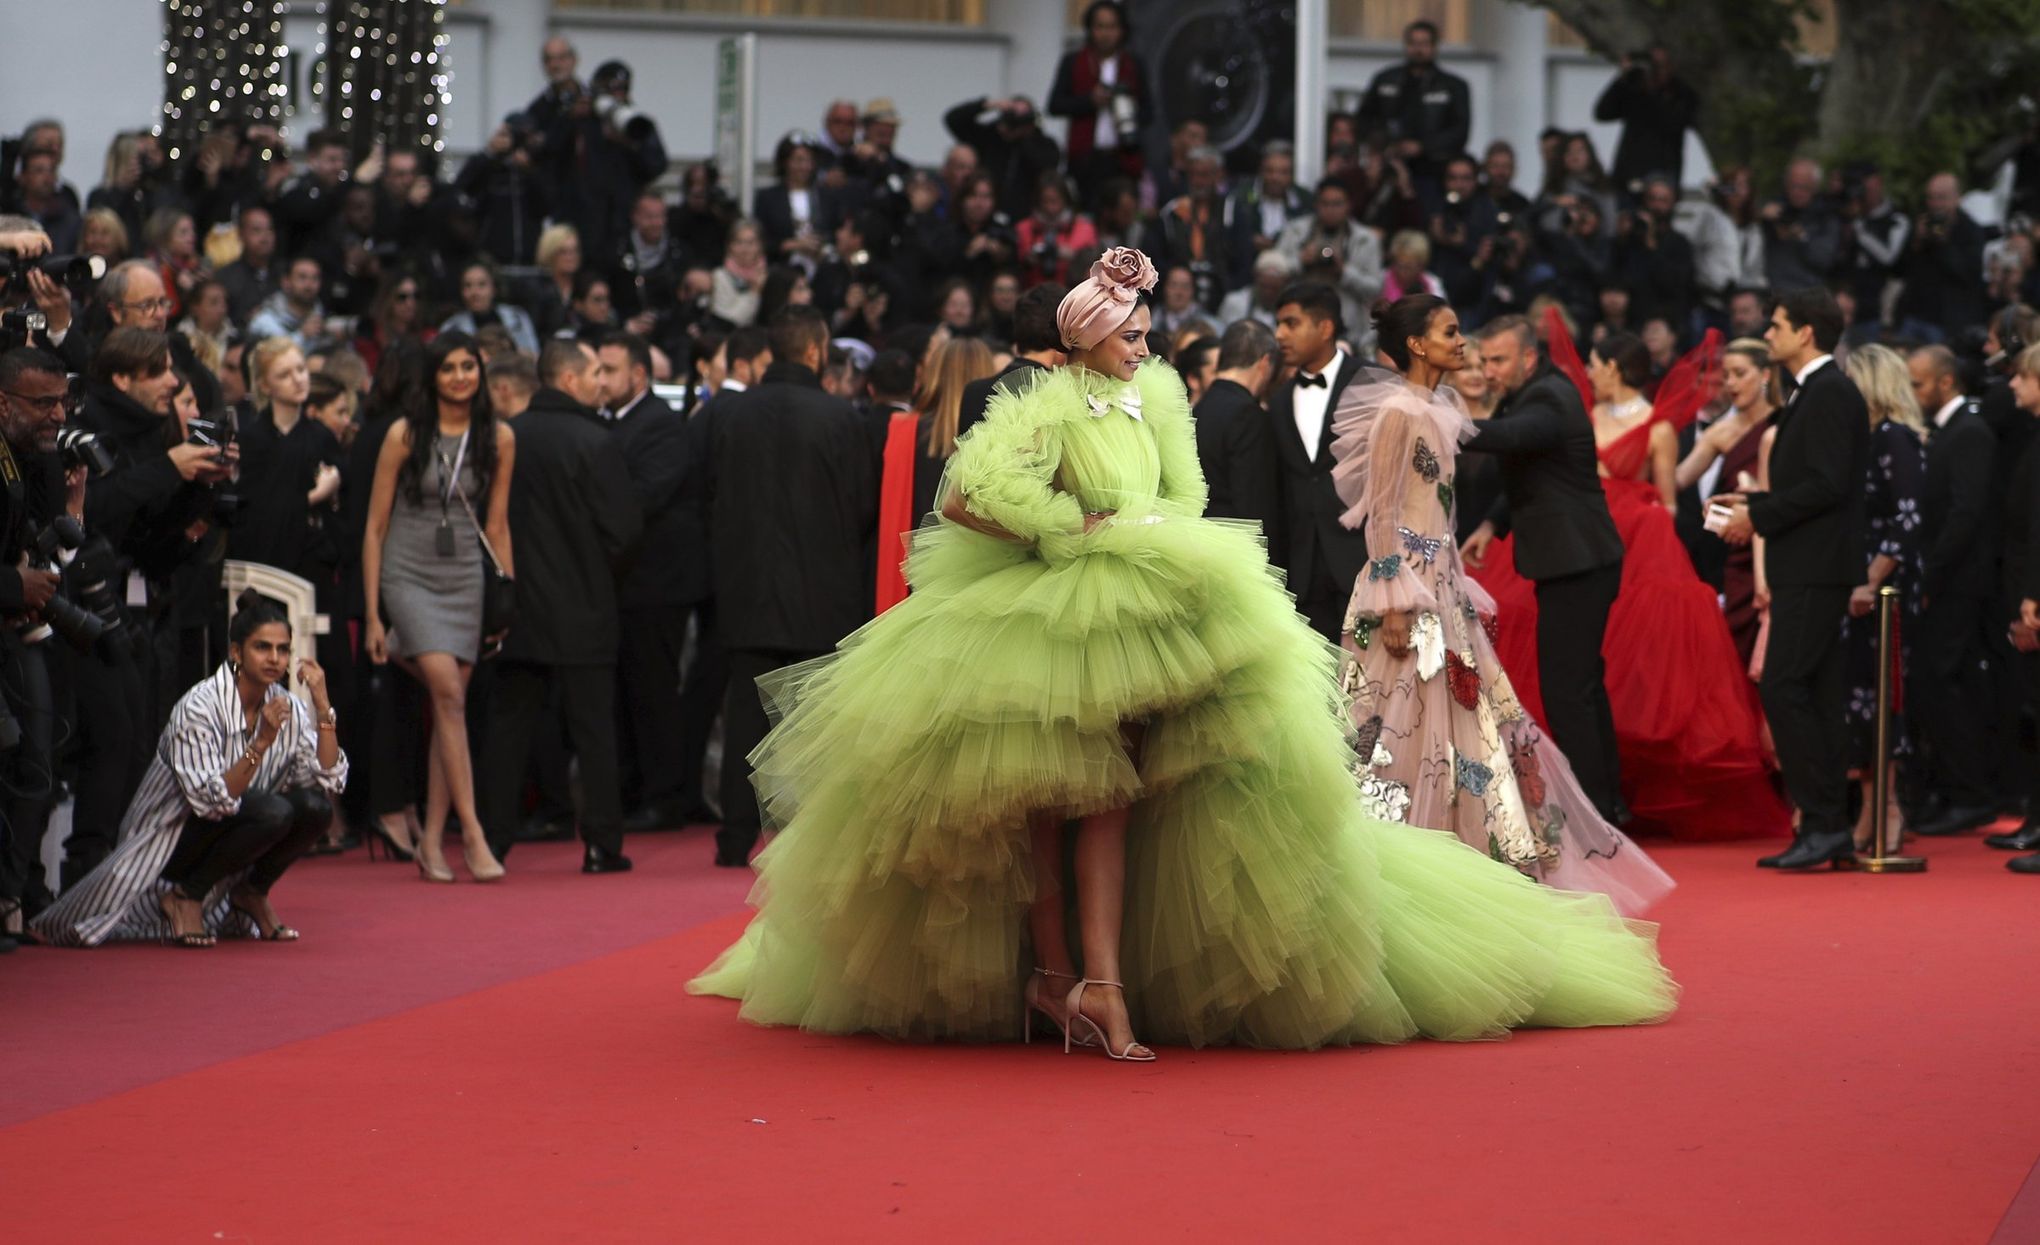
(1081, 645)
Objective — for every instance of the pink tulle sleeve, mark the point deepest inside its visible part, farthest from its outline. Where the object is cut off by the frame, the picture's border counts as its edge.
(1391, 580)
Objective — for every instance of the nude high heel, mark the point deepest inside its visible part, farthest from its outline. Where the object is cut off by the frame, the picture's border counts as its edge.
(431, 860)
(1076, 1014)
(1036, 1003)
(483, 867)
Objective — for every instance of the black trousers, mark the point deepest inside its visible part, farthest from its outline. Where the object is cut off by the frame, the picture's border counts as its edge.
(271, 831)
(27, 782)
(395, 747)
(1322, 600)
(1572, 620)
(518, 711)
(1955, 698)
(111, 753)
(745, 724)
(1805, 692)
(2026, 669)
(703, 688)
(649, 720)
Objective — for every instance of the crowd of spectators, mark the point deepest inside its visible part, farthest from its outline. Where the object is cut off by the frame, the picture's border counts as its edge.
(289, 296)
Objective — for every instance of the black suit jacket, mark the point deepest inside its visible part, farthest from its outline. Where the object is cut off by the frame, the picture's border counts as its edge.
(793, 498)
(1812, 519)
(1313, 539)
(1551, 480)
(1238, 457)
(671, 567)
(977, 395)
(772, 207)
(1958, 539)
(571, 526)
(2019, 529)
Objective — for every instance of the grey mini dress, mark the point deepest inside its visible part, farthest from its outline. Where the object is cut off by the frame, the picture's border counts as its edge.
(432, 601)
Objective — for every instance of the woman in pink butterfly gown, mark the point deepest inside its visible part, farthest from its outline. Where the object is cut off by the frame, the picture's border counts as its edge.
(1444, 742)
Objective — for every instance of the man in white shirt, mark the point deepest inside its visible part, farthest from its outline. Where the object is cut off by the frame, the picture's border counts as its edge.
(1322, 558)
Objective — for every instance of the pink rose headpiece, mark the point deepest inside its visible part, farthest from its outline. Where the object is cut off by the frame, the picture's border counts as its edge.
(1101, 302)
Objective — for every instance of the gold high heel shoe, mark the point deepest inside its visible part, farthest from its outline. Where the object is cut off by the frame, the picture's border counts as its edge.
(1134, 1052)
(488, 870)
(1033, 994)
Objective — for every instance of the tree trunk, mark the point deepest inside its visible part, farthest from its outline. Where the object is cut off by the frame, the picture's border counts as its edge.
(1891, 58)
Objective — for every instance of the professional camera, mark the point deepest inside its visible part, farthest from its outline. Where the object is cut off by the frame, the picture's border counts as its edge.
(217, 434)
(79, 448)
(607, 89)
(83, 628)
(19, 326)
(76, 271)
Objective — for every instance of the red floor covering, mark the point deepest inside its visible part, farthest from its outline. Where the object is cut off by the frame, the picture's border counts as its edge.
(1849, 1065)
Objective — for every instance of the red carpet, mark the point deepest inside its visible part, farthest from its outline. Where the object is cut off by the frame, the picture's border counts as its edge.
(1848, 1066)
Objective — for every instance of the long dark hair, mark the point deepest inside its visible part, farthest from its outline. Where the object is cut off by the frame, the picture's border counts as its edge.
(421, 412)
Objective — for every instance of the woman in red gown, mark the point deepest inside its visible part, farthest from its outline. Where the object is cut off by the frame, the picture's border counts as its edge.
(1687, 721)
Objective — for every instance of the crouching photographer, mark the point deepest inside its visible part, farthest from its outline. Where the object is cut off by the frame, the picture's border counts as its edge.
(33, 407)
(146, 498)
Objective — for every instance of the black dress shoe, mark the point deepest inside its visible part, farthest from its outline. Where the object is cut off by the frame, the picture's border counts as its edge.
(655, 817)
(700, 815)
(545, 829)
(732, 858)
(1771, 861)
(1836, 848)
(604, 860)
(2025, 839)
(1960, 819)
(2024, 864)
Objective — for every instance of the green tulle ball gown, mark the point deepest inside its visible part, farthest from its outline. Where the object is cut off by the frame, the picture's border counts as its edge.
(1262, 906)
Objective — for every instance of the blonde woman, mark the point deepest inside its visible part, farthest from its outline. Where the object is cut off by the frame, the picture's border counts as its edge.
(918, 445)
(738, 284)
(1729, 448)
(1898, 476)
(558, 257)
(104, 234)
(1409, 258)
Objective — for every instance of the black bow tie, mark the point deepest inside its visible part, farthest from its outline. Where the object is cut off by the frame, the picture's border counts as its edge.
(1304, 380)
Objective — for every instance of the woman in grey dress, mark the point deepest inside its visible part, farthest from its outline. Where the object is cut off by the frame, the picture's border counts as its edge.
(421, 570)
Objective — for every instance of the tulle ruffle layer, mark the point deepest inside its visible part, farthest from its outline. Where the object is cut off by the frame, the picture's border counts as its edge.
(1262, 907)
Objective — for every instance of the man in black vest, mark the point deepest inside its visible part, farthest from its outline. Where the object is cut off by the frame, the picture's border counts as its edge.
(1321, 558)
(1037, 346)
(1233, 445)
(1955, 681)
(792, 490)
(668, 578)
(1812, 522)
(573, 521)
(1566, 544)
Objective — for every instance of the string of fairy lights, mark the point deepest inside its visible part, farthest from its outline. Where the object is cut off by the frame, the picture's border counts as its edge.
(379, 71)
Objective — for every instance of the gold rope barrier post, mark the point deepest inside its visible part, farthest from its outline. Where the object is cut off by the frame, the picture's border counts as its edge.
(1875, 860)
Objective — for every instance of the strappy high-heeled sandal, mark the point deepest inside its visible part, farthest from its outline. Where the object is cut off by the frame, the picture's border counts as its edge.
(276, 933)
(1035, 1003)
(1134, 1052)
(197, 939)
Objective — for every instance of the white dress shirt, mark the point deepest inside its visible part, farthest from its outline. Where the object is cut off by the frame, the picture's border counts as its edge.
(1312, 404)
(1799, 377)
(1947, 412)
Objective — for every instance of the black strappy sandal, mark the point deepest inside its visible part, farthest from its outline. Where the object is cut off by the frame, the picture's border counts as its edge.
(281, 932)
(197, 939)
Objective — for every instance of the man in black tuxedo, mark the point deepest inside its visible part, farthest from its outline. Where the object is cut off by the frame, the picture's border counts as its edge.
(1812, 520)
(792, 489)
(661, 780)
(1233, 445)
(1955, 683)
(1322, 559)
(572, 524)
(1566, 543)
(1037, 346)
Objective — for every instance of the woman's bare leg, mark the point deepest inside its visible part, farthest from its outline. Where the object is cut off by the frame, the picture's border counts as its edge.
(1101, 907)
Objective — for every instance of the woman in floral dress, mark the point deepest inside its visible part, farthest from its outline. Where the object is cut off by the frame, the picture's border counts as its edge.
(1443, 741)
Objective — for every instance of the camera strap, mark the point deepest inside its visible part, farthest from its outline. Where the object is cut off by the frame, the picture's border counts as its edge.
(449, 482)
(479, 533)
(10, 473)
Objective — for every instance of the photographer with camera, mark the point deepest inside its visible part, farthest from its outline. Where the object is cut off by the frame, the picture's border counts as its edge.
(40, 195)
(1330, 246)
(1943, 267)
(33, 408)
(1802, 234)
(1011, 149)
(1457, 234)
(508, 190)
(1656, 107)
(601, 152)
(148, 495)
(1655, 259)
(1418, 109)
(310, 201)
